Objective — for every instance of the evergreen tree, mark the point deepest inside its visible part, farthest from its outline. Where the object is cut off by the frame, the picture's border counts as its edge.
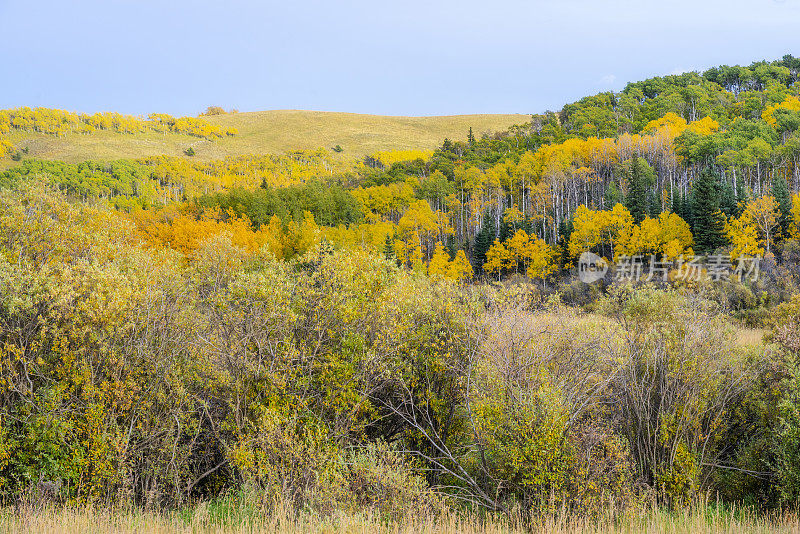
(709, 222)
(483, 242)
(507, 228)
(677, 204)
(527, 225)
(388, 248)
(471, 137)
(451, 247)
(781, 193)
(727, 202)
(612, 196)
(565, 230)
(636, 200)
(688, 213)
(655, 205)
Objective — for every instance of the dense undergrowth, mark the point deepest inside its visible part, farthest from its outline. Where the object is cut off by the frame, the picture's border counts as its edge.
(337, 382)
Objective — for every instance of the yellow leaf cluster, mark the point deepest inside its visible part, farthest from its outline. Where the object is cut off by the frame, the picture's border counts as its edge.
(420, 227)
(441, 266)
(536, 256)
(792, 103)
(59, 122)
(668, 235)
(762, 214)
(795, 227)
(595, 228)
(174, 229)
(387, 157)
(743, 237)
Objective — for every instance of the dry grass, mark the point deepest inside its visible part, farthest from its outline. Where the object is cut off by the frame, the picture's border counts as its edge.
(88, 520)
(750, 336)
(274, 132)
(357, 134)
(85, 521)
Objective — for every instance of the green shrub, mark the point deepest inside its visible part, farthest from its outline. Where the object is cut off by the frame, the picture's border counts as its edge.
(787, 441)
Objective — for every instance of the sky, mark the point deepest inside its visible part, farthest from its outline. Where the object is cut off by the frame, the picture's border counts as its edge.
(434, 57)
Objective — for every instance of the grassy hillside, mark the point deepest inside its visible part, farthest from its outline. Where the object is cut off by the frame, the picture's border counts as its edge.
(358, 135)
(271, 132)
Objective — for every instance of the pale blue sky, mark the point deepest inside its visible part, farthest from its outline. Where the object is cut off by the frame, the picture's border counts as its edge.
(399, 58)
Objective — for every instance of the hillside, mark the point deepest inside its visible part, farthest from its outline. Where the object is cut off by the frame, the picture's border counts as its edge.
(272, 132)
(596, 310)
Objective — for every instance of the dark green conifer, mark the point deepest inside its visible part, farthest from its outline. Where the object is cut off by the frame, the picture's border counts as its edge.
(727, 202)
(708, 220)
(565, 229)
(470, 137)
(655, 205)
(636, 200)
(388, 248)
(483, 242)
(781, 193)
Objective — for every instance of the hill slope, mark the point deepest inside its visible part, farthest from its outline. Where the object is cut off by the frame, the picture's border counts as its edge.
(272, 132)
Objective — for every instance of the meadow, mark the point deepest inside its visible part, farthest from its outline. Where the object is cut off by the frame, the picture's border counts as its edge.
(270, 132)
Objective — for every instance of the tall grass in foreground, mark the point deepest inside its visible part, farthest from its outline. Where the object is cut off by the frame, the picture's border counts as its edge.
(70, 520)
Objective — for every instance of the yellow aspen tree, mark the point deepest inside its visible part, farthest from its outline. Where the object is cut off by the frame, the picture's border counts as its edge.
(408, 253)
(6, 147)
(439, 265)
(518, 247)
(275, 237)
(302, 236)
(541, 258)
(587, 231)
(792, 103)
(762, 212)
(513, 215)
(668, 235)
(675, 236)
(615, 223)
(497, 258)
(643, 238)
(460, 268)
(419, 224)
(795, 227)
(743, 237)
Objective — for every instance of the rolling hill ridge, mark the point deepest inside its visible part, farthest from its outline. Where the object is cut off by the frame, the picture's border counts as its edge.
(269, 132)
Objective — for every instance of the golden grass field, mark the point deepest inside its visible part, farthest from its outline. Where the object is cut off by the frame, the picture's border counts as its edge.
(273, 132)
(89, 521)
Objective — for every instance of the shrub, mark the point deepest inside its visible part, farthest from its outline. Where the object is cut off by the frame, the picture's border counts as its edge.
(680, 375)
(785, 322)
(577, 293)
(787, 441)
(379, 478)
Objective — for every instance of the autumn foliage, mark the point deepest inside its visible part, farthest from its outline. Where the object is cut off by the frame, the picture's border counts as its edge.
(405, 333)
